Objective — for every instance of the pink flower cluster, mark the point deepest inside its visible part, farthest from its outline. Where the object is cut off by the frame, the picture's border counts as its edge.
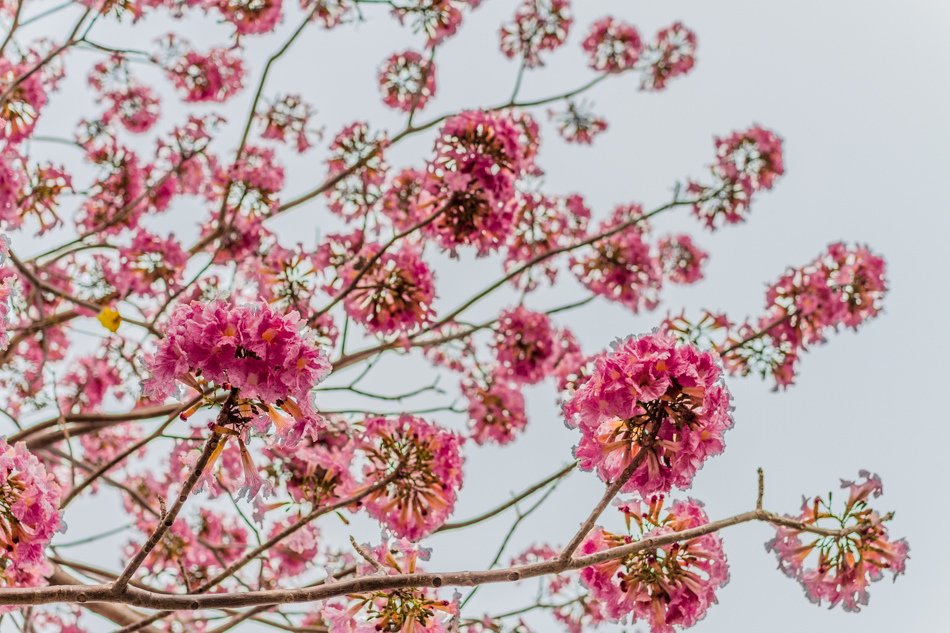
(288, 118)
(259, 352)
(404, 610)
(747, 161)
(839, 569)
(407, 81)
(21, 108)
(29, 516)
(612, 46)
(251, 17)
(148, 265)
(496, 409)
(215, 76)
(622, 267)
(577, 123)
(356, 160)
(538, 26)
(681, 259)
(541, 224)
(394, 294)
(671, 54)
(655, 401)
(470, 183)
(843, 287)
(436, 19)
(524, 345)
(668, 586)
(427, 461)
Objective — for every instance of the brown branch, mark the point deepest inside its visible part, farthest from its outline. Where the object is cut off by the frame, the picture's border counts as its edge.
(366, 584)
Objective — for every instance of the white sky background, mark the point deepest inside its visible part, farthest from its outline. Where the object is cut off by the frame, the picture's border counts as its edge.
(858, 89)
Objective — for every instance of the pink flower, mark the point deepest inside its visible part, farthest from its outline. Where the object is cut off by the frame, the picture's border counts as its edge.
(577, 124)
(651, 397)
(148, 265)
(671, 54)
(295, 554)
(29, 516)
(422, 496)
(317, 470)
(21, 108)
(407, 81)
(747, 162)
(215, 76)
(839, 570)
(404, 610)
(621, 267)
(253, 349)
(253, 181)
(394, 295)
(612, 46)
(537, 26)
(669, 586)
(400, 200)
(330, 13)
(289, 116)
(496, 409)
(470, 182)
(251, 17)
(681, 259)
(542, 224)
(524, 345)
(356, 158)
(437, 19)
(843, 287)
(12, 183)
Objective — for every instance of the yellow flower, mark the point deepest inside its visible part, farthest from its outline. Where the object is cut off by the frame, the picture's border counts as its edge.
(109, 318)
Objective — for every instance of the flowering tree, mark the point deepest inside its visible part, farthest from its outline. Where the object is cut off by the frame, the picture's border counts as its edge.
(202, 399)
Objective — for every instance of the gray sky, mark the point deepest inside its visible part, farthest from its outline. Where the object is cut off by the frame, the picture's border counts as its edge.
(859, 92)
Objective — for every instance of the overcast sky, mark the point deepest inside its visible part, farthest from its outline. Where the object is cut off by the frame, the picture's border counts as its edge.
(859, 91)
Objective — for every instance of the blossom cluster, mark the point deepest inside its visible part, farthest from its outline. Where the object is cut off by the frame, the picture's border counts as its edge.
(670, 586)
(839, 569)
(29, 516)
(653, 405)
(252, 349)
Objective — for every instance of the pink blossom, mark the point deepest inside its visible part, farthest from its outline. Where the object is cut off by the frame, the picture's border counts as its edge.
(524, 345)
(21, 108)
(251, 17)
(537, 26)
(407, 81)
(747, 162)
(621, 267)
(29, 516)
(543, 224)
(261, 353)
(649, 396)
(681, 259)
(394, 294)
(400, 200)
(288, 118)
(317, 470)
(437, 19)
(669, 586)
(148, 264)
(671, 54)
(356, 158)
(496, 409)
(293, 555)
(612, 46)
(470, 182)
(422, 496)
(215, 76)
(839, 570)
(577, 124)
